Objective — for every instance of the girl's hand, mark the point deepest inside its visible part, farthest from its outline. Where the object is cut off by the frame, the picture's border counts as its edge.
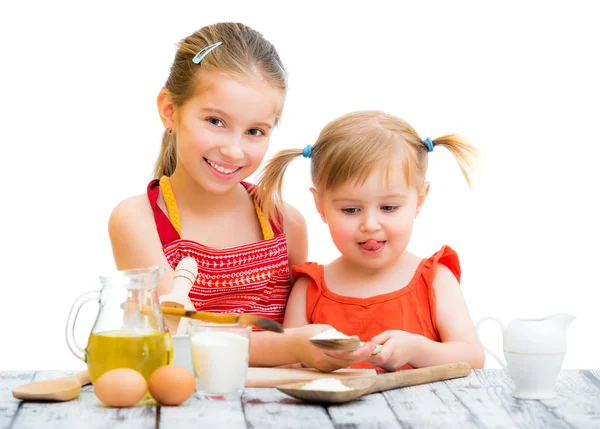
(398, 349)
(325, 360)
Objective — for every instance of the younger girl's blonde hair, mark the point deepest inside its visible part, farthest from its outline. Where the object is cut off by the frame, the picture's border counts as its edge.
(243, 52)
(352, 147)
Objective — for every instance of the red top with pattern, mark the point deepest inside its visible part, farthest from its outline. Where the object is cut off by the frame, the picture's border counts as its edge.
(410, 308)
(251, 278)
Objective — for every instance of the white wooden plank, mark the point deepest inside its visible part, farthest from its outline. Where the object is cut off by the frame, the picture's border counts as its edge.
(87, 411)
(430, 406)
(481, 400)
(8, 404)
(595, 372)
(578, 400)
(368, 412)
(593, 376)
(488, 394)
(269, 408)
(199, 413)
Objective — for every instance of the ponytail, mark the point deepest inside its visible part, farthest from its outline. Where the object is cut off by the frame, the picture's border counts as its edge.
(270, 181)
(167, 159)
(463, 152)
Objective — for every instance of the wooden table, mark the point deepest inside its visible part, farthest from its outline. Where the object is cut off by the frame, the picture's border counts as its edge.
(482, 400)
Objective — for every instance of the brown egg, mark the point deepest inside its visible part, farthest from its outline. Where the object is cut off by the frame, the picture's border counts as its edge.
(122, 387)
(171, 384)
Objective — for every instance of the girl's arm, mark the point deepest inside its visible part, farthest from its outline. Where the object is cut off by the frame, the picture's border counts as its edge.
(272, 349)
(454, 324)
(294, 226)
(295, 310)
(135, 242)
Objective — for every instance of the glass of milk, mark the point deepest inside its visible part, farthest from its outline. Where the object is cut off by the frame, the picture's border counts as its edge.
(220, 358)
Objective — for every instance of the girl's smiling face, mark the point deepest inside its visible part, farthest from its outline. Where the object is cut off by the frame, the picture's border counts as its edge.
(371, 223)
(223, 131)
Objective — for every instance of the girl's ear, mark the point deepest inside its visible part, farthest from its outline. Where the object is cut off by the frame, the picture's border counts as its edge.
(166, 108)
(318, 204)
(422, 194)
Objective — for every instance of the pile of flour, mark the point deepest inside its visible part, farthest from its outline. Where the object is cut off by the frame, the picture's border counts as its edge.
(327, 385)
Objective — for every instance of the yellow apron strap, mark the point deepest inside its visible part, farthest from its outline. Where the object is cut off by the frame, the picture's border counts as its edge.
(265, 226)
(169, 197)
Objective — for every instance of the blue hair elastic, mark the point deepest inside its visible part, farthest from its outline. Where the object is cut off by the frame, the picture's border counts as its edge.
(307, 151)
(429, 143)
(204, 51)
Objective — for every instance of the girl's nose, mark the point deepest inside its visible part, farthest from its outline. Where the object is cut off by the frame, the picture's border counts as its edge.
(370, 223)
(232, 150)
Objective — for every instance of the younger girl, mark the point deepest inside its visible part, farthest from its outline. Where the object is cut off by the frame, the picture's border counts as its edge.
(368, 169)
(219, 106)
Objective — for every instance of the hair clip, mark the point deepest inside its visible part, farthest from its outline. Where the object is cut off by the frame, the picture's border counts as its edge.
(282, 70)
(307, 151)
(429, 143)
(203, 52)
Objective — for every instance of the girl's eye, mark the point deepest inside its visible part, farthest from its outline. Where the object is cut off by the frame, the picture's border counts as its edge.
(350, 210)
(256, 132)
(389, 209)
(214, 121)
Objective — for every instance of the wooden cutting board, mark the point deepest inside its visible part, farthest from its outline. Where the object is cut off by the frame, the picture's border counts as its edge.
(272, 377)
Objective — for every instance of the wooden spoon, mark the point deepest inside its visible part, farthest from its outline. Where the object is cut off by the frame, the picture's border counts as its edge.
(59, 389)
(345, 344)
(378, 383)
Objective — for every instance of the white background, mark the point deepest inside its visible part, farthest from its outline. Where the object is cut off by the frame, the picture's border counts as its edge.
(80, 132)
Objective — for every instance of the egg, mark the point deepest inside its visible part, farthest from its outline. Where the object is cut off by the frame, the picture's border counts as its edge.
(171, 384)
(121, 387)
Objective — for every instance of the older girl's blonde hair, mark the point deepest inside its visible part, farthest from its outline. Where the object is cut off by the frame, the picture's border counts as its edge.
(351, 147)
(243, 52)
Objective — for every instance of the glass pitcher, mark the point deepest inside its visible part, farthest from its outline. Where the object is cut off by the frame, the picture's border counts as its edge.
(129, 331)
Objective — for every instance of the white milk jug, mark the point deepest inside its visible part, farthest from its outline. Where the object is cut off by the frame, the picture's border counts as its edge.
(534, 350)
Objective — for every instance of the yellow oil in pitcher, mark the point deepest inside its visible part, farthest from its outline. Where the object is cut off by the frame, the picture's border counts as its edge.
(141, 350)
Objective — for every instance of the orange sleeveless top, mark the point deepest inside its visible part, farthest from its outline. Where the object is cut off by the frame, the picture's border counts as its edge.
(410, 308)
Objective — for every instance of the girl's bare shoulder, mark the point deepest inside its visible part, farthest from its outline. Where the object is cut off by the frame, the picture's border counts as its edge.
(137, 204)
(133, 214)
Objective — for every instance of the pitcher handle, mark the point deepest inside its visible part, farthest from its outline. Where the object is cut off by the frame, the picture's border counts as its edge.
(487, 349)
(70, 329)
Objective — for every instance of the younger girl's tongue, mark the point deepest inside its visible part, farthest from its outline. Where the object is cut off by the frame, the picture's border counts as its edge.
(372, 245)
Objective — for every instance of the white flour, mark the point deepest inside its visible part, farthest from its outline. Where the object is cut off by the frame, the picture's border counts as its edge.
(330, 334)
(220, 361)
(327, 384)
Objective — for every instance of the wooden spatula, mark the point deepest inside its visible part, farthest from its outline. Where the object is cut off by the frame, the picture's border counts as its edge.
(378, 383)
(59, 389)
(345, 344)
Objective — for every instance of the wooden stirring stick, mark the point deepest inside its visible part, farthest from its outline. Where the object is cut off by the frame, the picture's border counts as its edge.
(260, 322)
(60, 389)
(183, 280)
